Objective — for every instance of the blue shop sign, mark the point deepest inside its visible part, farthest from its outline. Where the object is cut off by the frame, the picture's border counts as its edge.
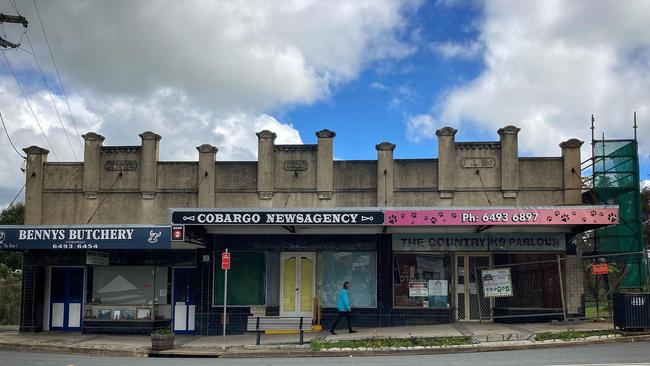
(85, 237)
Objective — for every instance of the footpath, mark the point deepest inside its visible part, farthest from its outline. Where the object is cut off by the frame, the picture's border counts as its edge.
(477, 337)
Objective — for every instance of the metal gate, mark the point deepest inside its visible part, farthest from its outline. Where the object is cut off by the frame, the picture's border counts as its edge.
(471, 305)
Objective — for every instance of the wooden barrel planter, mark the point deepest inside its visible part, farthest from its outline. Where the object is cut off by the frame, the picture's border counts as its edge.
(161, 342)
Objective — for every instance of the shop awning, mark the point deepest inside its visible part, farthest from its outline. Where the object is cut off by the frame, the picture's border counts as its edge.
(89, 237)
(563, 219)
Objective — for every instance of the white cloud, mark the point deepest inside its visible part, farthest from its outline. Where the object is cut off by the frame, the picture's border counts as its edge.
(195, 72)
(421, 127)
(455, 50)
(378, 86)
(549, 65)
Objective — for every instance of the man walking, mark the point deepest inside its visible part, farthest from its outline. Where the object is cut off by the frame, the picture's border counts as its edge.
(343, 306)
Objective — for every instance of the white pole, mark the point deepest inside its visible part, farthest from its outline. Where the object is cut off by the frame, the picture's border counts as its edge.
(225, 297)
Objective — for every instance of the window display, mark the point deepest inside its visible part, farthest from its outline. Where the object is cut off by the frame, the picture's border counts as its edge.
(359, 268)
(128, 293)
(421, 281)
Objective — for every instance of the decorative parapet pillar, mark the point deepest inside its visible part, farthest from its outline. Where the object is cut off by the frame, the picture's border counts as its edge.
(207, 155)
(265, 164)
(509, 163)
(325, 164)
(385, 174)
(447, 164)
(36, 157)
(92, 146)
(571, 171)
(149, 164)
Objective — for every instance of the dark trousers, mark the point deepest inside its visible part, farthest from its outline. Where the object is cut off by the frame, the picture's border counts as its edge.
(342, 314)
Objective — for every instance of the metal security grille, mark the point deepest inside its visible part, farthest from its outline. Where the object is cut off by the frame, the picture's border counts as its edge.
(536, 288)
(460, 287)
(479, 306)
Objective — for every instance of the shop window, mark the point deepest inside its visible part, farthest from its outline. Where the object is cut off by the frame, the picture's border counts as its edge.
(359, 268)
(421, 281)
(246, 284)
(129, 293)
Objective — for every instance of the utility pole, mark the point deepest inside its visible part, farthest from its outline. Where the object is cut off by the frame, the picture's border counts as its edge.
(18, 19)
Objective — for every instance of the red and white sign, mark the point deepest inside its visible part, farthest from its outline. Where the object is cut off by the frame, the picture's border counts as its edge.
(589, 215)
(178, 233)
(600, 269)
(225, 260)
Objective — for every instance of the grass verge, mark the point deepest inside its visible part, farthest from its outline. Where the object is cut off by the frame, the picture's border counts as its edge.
(376, 342)
(572, 334)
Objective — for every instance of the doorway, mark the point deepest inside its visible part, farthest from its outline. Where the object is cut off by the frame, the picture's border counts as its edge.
(184, 300)
(471, 305)
(297, 283)
(66, 298)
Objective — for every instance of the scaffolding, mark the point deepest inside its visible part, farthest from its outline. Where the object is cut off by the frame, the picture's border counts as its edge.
(615, 180)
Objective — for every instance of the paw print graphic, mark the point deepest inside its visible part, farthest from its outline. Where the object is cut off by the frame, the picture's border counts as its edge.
(549, 218)
(612, 217)
(401, 216)
(556, 213)
(584, 219)
(441, 214)
(601, 213)
(433, 220)
(414, 215)
(426, 218)
(454, 215)
(392, 219)
(574, 213)
(593, 213)
(564, 217)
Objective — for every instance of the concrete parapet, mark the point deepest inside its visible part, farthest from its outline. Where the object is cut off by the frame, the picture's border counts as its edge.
(325, 164)
(385, 174)
(571, 171)
(265, 164)
(447, 169)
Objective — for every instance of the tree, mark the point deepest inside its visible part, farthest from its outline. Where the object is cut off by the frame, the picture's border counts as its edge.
(12, 215)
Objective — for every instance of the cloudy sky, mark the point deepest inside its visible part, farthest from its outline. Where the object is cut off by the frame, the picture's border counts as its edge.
(376, 70)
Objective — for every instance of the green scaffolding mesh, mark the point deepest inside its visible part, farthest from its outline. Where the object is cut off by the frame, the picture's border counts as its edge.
(616, 182)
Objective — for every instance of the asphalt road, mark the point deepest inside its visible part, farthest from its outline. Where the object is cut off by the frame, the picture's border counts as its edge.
(619, 354)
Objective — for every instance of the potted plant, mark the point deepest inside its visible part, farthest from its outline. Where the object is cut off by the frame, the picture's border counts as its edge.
(162, 339)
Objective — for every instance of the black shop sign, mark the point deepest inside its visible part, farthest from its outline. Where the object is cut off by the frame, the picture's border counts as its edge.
(208, 217)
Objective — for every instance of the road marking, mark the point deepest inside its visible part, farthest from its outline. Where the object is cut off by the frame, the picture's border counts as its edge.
(602, 364)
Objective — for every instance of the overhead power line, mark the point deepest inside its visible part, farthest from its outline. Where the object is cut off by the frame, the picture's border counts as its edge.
(18, 19)
(49, 91)
(9, 138)
(22, 91)
(58, 76)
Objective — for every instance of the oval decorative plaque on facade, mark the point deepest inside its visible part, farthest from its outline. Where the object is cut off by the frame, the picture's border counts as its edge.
(477, 163)
(121, 165)
(295, 165)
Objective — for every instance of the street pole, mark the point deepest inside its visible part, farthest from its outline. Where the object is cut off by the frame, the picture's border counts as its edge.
(225, 297)
(559, 272)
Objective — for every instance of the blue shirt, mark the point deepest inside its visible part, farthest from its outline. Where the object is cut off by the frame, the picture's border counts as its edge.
(343, 303)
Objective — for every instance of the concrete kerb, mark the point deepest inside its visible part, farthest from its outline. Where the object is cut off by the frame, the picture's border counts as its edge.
(304, 351)
(482, 347)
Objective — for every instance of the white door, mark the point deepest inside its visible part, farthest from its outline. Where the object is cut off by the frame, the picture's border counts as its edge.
(297, 283)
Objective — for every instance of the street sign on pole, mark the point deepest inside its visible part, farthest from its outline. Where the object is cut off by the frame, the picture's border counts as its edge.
(225, 260)
(600, 269)
(225, 265)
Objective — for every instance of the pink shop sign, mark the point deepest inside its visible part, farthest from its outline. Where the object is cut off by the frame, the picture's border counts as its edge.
(504, 216)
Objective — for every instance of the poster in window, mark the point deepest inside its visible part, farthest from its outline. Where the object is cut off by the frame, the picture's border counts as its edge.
(418, 289)
(438, 292)
(497, 282)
